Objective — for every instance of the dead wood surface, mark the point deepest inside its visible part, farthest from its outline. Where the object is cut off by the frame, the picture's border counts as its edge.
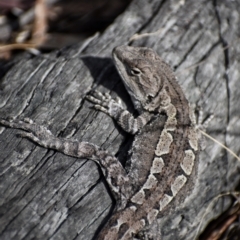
(47, 195)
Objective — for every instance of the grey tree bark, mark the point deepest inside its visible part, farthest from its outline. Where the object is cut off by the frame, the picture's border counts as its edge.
(47, 195)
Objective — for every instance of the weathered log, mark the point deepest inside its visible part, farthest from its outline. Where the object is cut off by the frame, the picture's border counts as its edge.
(47, 195)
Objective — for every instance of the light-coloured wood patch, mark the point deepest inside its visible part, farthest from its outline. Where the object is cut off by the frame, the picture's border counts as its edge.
(178, 184)
(188, 162)
(164, 143)
(165, 201)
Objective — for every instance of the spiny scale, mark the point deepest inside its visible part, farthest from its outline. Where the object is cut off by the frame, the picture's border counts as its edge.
(164, 152)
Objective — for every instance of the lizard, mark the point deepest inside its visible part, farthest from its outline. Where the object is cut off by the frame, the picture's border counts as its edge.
(164, 155)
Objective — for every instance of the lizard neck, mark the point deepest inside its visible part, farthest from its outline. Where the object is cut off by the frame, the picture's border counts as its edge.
(178, 100)
(171, 96)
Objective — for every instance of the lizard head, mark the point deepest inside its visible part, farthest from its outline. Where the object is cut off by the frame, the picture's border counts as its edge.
(139, 69)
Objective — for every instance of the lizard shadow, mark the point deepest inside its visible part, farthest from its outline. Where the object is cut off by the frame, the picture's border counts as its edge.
(106, 75)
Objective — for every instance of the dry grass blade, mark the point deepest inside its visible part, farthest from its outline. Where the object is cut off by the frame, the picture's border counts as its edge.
(222, 145)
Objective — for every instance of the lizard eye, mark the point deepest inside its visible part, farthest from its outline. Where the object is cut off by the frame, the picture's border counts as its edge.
(135, 71)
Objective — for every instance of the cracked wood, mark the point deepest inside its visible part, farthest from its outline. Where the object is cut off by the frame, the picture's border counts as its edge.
(164, 152)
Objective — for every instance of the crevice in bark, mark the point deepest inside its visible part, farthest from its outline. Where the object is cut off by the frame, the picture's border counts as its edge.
(226, 56)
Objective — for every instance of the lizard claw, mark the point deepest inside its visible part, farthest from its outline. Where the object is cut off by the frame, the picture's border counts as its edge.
(105, 103)
(25, 135)
(7, 123)
(202, 123)
(26, 124)
(99, 99)
(101, 108)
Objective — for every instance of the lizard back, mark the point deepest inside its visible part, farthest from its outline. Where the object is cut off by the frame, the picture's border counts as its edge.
(165, 150)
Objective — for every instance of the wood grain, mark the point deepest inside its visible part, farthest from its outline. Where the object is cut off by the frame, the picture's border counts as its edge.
(47, 195)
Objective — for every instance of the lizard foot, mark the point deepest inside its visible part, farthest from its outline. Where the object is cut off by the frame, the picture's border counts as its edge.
(105, 103)
(202, 124)
(32, 131)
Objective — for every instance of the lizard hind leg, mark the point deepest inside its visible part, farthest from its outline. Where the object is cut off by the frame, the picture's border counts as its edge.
(35, 132)
(112, 169)
(201, 124)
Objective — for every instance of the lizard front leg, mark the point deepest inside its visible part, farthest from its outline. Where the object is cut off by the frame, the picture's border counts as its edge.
(112, 169)
(114, 108)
